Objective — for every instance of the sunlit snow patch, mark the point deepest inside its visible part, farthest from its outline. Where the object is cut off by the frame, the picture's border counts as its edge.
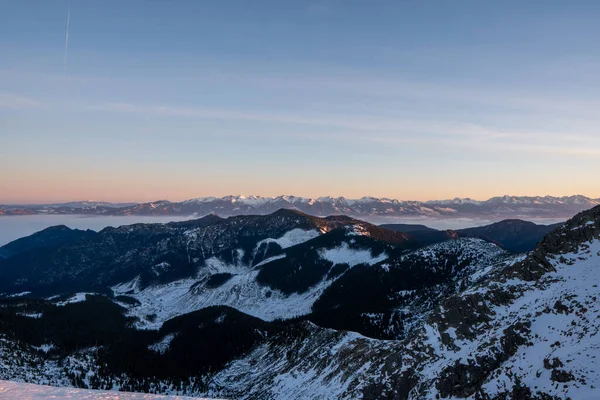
(291, 238)
(17, 294)
(76, 298)
(31, 315)
(345, 255)
(46, 347)
(163, 345)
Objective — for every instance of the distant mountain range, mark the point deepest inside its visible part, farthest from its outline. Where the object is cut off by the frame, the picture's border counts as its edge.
(367, 207)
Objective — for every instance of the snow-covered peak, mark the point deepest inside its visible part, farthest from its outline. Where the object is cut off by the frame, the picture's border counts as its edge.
(545, 200)
(455, 201)
(326, 199)
(253, 200)
(367, 199)
(200, 200)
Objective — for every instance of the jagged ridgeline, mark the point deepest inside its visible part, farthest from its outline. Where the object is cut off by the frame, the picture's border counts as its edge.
(288, 305)
(497, 207)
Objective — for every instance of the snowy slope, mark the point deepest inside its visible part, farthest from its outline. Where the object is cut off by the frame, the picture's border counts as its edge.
(503, 329)
(529, 330)
(25, 391)
(291, 238)
(160, 253)
(556, 317)
(532, 324)
(241, 291)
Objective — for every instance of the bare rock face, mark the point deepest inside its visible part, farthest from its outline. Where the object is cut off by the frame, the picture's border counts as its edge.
(555, 363)
(561, 376)
(464, 380)
(567, 238)
(579, 230)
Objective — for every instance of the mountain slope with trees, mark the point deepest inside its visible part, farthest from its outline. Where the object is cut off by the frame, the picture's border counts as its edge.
(459, 319)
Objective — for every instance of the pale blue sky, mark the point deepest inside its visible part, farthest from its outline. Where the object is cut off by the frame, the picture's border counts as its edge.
(405, 99)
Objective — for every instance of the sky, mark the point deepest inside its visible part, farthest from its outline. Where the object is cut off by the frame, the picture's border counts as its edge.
(407, 99)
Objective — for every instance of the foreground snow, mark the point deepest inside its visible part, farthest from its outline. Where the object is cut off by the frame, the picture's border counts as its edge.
(27, 391)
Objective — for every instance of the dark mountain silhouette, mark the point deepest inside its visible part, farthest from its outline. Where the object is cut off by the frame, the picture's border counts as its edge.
(513, 235)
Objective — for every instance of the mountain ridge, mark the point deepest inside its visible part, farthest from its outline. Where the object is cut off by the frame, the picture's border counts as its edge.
(95, 261)
(513, 235)
(502, 206)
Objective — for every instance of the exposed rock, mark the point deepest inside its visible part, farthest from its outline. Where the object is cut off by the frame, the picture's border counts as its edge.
(559, 375)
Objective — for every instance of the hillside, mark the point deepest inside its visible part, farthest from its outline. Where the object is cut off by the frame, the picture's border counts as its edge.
(52, 237)
(513, 235)
(373, 318)
(162, 253)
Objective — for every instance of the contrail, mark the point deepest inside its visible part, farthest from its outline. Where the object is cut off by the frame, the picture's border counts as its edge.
(67, 41)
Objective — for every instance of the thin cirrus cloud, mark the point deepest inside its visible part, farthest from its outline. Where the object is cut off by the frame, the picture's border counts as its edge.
(557, 116)
(335, 86)
(341, 82)
(418, 130)
(16, 101)
(391, 130)
(560, 149)
(350, 122)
